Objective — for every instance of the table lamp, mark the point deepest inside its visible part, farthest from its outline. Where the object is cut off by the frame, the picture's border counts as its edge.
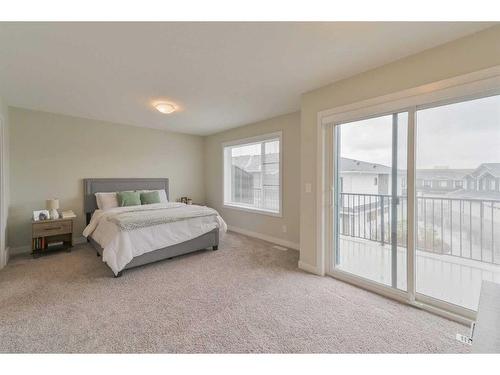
(52, 206)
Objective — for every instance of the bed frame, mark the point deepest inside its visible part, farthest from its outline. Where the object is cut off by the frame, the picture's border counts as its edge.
(102, 185)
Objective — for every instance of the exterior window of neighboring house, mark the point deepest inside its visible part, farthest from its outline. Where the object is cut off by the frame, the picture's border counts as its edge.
(492, 185)
(427, 183)
(443, 184)
(252, 174)
(375, 181)
(459, 184)
(403, 183)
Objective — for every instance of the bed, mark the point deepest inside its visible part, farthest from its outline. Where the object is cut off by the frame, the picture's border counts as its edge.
(167, 230)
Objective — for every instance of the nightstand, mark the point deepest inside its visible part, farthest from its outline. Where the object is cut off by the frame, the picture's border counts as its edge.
(50, 235)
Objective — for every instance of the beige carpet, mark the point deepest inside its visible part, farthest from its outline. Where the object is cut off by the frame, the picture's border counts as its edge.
(246, 297)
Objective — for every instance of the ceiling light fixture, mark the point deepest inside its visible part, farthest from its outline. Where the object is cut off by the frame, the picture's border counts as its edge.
(165, 107)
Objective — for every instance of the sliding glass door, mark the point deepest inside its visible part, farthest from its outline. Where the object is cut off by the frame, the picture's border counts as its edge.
(458, 199)
(416, 201)
(370, 195)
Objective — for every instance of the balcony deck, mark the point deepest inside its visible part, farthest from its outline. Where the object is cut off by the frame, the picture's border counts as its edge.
(448, 278)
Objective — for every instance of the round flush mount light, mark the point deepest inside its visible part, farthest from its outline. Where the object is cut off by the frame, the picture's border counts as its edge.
(165, 107)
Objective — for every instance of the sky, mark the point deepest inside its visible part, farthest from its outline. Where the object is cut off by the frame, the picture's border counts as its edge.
(459, 136)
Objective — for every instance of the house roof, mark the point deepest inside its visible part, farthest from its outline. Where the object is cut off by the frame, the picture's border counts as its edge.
(251, 163)
(353, 165)
(442, 174)
(492, 168)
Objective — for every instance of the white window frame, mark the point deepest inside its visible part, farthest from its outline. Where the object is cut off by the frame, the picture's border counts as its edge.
(246, 141)
(466, 87)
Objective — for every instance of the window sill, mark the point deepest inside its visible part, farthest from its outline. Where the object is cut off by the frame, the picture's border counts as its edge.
(252, 210)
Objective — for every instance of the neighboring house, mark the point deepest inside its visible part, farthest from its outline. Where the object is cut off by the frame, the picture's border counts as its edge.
(356, 176)
(486, 177)
(481, 183)
(440, 180)
(363, 177)
(255, 179)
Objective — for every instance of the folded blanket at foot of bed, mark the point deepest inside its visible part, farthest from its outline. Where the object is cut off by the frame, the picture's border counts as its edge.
(131, 220)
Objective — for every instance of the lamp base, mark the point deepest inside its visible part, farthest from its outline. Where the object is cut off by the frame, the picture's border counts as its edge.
(54, 214)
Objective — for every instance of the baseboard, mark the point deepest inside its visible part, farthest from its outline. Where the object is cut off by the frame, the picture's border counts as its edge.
(25, 249)
(265, 237)
(310, 268)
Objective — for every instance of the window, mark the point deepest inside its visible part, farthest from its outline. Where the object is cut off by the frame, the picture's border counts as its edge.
(375, 181)
(252, 174)
(492, 185)
(427, 183)
(459, 184)
(443, 183)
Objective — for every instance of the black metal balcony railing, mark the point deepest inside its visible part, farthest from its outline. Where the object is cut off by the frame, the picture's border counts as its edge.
(466, 228)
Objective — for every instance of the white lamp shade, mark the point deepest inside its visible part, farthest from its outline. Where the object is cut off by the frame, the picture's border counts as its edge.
(52, 204)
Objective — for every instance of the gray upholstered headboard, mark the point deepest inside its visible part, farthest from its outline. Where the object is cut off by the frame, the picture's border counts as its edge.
(102, 185)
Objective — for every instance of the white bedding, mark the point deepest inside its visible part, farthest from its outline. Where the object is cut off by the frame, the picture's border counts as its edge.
(120, 247)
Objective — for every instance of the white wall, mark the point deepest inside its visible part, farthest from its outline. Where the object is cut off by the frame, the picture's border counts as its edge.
(465, 55)
(52, 153)
(362, 183)
(4, 181)
(266, 226)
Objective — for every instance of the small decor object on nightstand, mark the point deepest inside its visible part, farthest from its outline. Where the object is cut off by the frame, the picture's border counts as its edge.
(53, 206)
(40, 215)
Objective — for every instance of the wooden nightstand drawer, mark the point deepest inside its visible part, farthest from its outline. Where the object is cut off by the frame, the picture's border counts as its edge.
(51, 228)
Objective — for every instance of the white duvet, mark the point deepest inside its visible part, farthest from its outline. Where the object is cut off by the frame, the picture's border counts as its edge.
(120, 247)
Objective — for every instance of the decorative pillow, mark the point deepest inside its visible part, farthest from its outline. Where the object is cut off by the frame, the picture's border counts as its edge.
(106, 200)
(163, 194)
(128, 198)
(150, 197)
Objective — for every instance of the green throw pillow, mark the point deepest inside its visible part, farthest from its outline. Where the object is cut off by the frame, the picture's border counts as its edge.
(128, 198)
(150, 197)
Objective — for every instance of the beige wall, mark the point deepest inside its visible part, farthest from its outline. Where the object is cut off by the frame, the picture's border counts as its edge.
(51, 154)
(472, 53)
(254, 222)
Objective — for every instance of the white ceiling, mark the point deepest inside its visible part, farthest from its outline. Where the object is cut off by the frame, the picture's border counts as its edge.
(222, 75)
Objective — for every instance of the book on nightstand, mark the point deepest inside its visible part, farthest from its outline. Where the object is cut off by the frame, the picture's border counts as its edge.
(68, 214)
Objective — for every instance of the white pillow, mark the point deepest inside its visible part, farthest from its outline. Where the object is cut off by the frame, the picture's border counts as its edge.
(162, 193)
(106, 201)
